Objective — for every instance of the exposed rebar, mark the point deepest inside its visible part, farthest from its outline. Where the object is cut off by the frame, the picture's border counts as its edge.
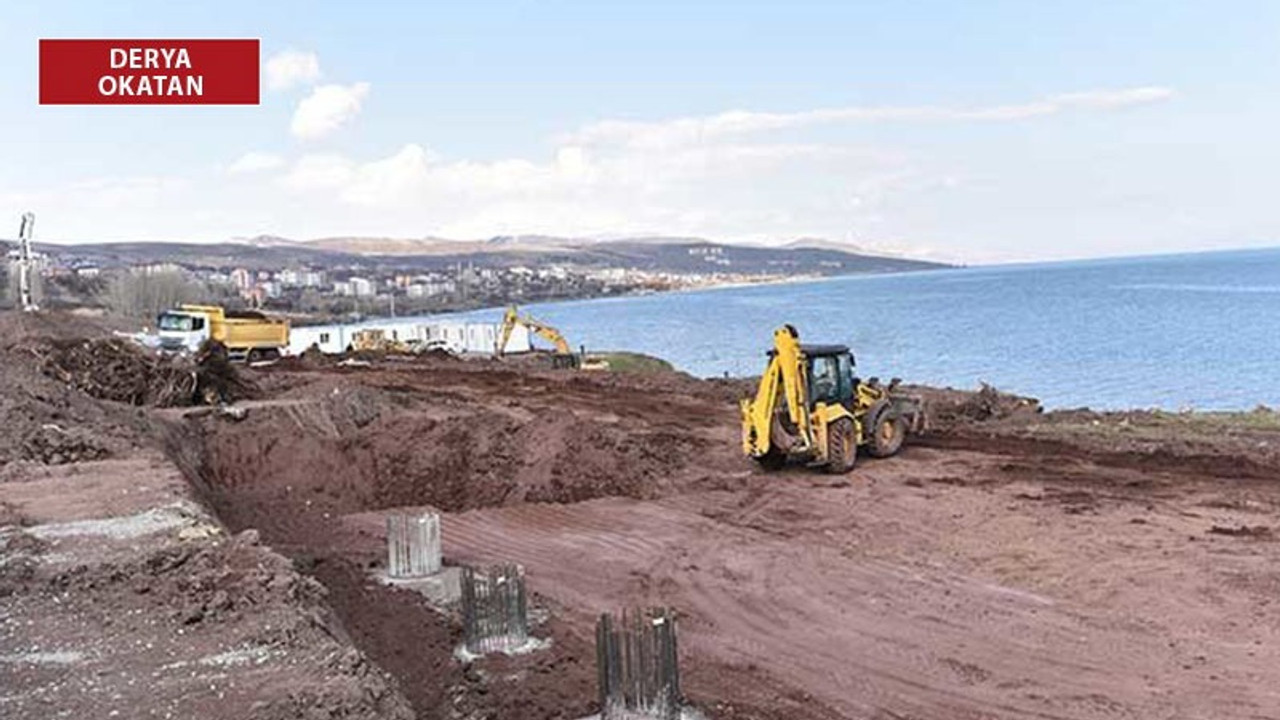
(637, 666)
(413, 545)
(495, 612)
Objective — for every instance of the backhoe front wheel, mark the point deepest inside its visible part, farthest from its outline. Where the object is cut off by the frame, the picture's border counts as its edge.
(842, 446)
(888, 430)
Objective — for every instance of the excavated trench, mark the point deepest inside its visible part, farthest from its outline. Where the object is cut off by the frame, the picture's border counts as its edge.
(295, 467)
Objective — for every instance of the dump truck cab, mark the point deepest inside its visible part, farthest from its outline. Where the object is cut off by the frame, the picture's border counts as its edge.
(182, 330)
(811, 406)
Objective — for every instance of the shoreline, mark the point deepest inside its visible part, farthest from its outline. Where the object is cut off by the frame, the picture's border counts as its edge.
(711, 287)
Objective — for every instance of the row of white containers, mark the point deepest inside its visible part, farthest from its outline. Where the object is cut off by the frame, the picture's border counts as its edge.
(458, 337)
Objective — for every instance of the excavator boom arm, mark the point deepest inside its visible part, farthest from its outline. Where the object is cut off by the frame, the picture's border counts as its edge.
(541, 329)
(552, 336)
(509, 321)
(787, 373)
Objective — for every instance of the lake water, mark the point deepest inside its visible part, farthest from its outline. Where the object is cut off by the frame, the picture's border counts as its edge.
(1187, 331)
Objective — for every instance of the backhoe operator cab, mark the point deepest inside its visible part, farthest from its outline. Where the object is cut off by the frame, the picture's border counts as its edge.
(811, 407)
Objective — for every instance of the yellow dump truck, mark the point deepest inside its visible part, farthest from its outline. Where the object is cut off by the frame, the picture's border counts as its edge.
(248, 335)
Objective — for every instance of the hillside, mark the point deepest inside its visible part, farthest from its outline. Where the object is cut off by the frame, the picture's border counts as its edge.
(677, 255)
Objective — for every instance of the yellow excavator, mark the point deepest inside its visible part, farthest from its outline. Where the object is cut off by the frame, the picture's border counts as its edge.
(564, 356)
(811, 408)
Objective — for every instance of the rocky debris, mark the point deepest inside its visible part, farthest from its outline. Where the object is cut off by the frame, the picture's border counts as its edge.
(1262, 532)
(197, 583)
(19, 551)
(50, 444)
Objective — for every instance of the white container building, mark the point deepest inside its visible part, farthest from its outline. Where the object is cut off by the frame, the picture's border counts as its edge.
(457, 336)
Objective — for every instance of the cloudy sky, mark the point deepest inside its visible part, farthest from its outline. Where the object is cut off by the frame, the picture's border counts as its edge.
(980, 132)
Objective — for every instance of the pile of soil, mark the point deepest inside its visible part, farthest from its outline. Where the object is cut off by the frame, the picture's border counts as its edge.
(948, 409)
(118, 370)
(47, 421)
(393, 438)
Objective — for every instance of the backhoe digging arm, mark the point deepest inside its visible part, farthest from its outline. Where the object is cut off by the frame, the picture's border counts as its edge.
(785, 372)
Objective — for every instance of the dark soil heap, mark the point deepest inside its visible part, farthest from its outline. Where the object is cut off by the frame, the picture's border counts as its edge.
(47, 421)
(118, 370)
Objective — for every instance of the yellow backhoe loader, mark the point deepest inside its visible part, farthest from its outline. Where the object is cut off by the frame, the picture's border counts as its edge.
(564, 356)
(377, 340)
(810, 407)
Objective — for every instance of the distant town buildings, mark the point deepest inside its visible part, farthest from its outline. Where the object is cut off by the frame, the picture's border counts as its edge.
(159, 268)
(374, 286)
(242, 279)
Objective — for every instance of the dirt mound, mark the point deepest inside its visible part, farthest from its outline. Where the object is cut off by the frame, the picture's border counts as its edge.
(440, 354)
(117, 370)
(362, 448)
(46, 420)
(314, 357)
(948, 408)
(18, 328)
(495, 460)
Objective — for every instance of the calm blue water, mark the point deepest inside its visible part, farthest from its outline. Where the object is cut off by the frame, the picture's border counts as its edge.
(1200, 331)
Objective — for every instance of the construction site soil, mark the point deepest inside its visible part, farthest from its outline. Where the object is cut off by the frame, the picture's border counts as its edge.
(1008, 563)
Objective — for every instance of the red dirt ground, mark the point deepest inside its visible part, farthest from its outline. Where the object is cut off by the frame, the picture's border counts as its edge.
(1011, 564)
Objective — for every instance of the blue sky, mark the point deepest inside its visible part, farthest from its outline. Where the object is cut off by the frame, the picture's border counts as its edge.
(971, 131)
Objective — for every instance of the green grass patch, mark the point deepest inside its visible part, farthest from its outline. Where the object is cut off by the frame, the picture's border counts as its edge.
(629, 362)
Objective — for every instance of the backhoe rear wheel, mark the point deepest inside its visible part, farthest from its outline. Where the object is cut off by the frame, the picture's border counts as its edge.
(842, 446)
(886, 429)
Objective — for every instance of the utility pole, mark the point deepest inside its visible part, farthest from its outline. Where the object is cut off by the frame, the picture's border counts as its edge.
(25, 262)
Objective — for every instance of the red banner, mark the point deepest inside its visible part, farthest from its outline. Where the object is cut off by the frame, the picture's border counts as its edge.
(149, 72)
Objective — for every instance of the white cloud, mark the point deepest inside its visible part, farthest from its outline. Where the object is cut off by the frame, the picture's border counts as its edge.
(252, 162)
(326, 109)
(391, 180)
(292, 67)
(318, 172)
(719, 190)
(683, 131)
(725, 175)
(1107, 99)
(719, 175)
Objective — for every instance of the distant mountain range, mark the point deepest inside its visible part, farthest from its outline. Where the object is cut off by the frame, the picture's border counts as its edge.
(660, 254)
